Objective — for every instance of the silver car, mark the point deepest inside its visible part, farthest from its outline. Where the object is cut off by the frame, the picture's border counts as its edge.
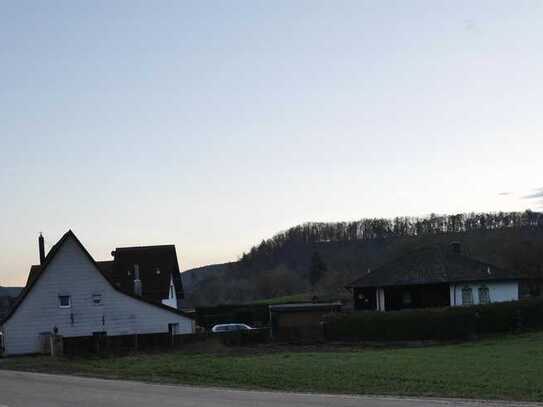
(231, 328)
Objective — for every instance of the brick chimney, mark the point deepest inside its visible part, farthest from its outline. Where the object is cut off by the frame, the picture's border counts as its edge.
(41, 246)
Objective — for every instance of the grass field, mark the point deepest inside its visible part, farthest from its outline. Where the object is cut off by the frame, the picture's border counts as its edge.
(506, 368)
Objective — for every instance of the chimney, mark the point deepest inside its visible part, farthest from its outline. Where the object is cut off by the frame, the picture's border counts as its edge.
(41, 245)
(137, 280)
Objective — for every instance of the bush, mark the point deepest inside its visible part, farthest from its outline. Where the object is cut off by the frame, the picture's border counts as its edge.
(436, 324)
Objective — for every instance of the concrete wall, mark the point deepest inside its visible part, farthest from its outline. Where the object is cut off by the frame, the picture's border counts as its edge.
(72, 273)
(499, 291)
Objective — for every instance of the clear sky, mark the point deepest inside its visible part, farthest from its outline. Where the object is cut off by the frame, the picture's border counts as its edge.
(215, 124)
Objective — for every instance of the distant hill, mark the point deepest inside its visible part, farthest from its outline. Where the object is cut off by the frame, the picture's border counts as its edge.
(10, 291)
(193, 278)
(281, 266)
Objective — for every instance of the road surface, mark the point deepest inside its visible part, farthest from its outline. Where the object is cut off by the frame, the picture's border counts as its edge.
(18, 389)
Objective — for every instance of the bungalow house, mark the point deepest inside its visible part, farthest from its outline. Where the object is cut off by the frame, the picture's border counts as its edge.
(70, 294)
(433, 277)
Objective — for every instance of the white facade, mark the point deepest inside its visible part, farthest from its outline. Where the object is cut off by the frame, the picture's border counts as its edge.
(94, 306)
(171, 301)
(498, 291)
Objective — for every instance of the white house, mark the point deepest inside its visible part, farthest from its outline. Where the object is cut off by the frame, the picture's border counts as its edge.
(73, 296)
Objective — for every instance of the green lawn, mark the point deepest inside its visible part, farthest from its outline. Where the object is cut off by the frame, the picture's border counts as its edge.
(505, 368)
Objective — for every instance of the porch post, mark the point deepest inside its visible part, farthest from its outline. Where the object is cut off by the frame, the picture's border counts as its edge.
(380, 294)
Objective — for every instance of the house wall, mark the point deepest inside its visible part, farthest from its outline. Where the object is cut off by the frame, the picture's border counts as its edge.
(72, 273)
(499, 291)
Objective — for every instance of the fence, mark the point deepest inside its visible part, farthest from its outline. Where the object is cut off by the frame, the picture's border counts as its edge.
(155, 342)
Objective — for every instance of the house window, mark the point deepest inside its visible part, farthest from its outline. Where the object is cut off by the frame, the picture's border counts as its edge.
(406, 298)
(467, 296)
(97, 299)
(64, 301)
(484, 295)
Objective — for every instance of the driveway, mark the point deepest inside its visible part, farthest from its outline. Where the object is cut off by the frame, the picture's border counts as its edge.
(18, 389)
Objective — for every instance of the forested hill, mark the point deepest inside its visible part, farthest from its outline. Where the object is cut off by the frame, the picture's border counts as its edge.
(326, 256)
(10, 291)
(7, 297)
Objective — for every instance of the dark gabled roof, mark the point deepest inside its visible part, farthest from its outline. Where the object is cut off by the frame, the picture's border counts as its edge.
(157, 265)
(40, 270)
(431, 265)
(34, 271)
(105, 266)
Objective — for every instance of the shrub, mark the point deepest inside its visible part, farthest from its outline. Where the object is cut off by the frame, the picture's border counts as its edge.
(436, 324)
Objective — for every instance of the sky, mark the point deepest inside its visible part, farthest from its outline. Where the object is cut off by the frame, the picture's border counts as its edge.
(215, 124)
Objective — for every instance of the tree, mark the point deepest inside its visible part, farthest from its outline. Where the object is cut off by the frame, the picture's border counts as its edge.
(317, 269)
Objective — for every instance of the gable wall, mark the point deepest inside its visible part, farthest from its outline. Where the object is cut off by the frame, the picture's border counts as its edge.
(72, 273)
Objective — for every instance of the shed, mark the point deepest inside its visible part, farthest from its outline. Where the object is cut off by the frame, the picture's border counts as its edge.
(300, 322)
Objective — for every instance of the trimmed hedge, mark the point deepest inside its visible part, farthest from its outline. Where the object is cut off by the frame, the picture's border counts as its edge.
(436, 324)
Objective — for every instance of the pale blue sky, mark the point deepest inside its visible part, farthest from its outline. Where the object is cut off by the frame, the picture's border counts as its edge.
(215, 124)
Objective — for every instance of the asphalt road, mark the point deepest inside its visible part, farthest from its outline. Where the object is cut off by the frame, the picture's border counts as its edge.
(18, 389)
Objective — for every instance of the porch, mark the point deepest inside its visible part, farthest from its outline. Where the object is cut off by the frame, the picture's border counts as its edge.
(396, 298)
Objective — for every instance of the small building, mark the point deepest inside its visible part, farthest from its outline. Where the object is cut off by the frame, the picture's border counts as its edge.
(299, 322)
(71, 295)
(433, 277)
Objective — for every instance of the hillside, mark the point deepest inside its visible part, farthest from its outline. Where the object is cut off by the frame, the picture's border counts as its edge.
(282, 265)
(7, 297)
(10, 291)
(193, 278)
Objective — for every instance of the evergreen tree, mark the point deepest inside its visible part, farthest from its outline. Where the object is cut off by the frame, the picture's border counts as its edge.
(317, 269)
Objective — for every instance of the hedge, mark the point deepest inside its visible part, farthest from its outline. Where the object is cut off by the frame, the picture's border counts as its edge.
(436, 324)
